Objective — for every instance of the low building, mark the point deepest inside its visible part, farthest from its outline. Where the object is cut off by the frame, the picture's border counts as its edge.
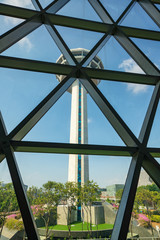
(144, 179)
(112, 189)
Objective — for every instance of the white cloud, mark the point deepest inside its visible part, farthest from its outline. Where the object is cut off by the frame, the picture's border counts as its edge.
(89, 120)
(12, 21)
(19, 3)
(136, 88)
(25, 43)
(129, 65)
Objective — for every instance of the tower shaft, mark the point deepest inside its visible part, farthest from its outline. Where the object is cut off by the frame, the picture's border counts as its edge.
(78, 170)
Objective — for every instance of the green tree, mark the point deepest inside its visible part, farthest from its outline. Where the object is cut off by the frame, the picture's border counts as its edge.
(153, 187)
(119, 195)
(8, 202)
(144, 198)
(34, 194)
(89, 193)
(47, 201)
(155, 199)
(70, 196)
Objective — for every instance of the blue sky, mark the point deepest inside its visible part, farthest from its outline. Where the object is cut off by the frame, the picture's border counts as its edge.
(22, 91)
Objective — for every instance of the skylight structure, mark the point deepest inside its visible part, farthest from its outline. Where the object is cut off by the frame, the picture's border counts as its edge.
(142, 155)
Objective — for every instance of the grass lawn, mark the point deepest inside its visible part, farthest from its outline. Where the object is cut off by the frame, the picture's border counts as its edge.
(77, 226)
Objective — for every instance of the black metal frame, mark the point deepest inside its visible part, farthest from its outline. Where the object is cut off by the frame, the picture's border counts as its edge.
(135, 147)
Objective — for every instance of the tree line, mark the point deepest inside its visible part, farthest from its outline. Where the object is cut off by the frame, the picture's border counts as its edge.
(147, 201)
(44, 201)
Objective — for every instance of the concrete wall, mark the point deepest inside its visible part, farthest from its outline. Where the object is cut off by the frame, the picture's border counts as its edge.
(97, 214)
(109, 213)
(144, 179)
(62, 215)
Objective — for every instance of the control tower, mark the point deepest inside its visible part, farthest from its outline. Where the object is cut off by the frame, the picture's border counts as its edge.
(78, 170)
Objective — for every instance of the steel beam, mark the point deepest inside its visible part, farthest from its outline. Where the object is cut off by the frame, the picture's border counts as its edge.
(19, 32)
(48, 67)
(151, 10)
(87, 149)
(102, 27)
(16, 12)
(36, 66)
(27, 216)
(120, 76)
(140, 33)
(152, 167)
(71, 22)
(156, 1)
(78, 23)
(67, 148)
(155, 152)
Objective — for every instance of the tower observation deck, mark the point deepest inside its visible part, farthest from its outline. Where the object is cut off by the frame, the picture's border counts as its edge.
(78, 170)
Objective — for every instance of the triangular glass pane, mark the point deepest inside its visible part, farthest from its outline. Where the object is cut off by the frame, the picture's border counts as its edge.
(154, 139)
(8, 23)
(138, 18)
(79, 9)
(55, 124)
(37, 168)
(125, 98)
(150, 49)
(115, 8)
(37, 45)
(19, 3)
(24, 91)
(76, 38)
(100, 130)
